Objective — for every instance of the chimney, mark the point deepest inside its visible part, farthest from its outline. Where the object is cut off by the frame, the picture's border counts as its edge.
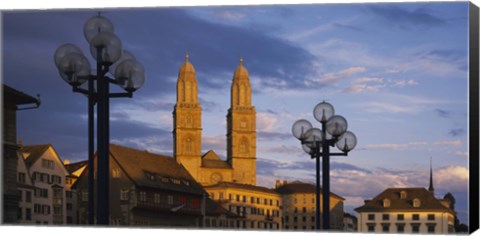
(284, 182)
(20, 142)
(66, 162)
(277, 183)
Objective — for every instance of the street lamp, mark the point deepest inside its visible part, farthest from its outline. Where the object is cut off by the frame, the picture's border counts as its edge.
(75, 69)
(317, 142)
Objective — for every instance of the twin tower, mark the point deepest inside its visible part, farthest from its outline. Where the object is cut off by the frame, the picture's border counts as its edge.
(209, 169)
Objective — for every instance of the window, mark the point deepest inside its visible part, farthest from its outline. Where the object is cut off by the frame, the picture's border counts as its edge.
(19, 213)
(220, 195)
(115, 173)
(69, 206)
(400, 228)
(385, 217)
(386, 202)
(252, 200)
(212, 195)
(69, 194)
(431, 228)
(57, 210)
(400, 217)
(84, 196)
(28, 196)
(170, 200)
(271, 202)
(295, 219)
(371, 217)
(415, 217)
(385, 228)
(258, 200)
(416, 202)
(123, 194)
(304, 210)
(244, 198)
(20, 195)
(57, 193)
(143, 196)
(21, 177)
(415, 228)
(403, 195)
(265, 201)
(28, 214)
(371, 227)
(156, 198)
(230, 196)
(304, 219)
(238, 198)
(49, 164)
(56, 179)
(431, 217)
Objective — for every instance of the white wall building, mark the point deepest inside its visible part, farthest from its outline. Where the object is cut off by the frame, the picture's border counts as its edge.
(48, 175)
(406, 210)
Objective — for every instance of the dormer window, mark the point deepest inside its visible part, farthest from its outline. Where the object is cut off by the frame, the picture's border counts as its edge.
(386, 202)
(403, 195)
(416, 202)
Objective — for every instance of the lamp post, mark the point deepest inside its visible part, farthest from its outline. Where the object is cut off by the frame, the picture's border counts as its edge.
(317, 142)
(75, 69)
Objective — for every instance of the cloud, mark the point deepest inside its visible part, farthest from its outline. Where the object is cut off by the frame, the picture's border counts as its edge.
(373, 84)
(335, 77)
(366, 84)
(272, 136)
(228, 15)
(396, 16)
(460, 153)
(413, 145)
(266, 122)
(457, 132)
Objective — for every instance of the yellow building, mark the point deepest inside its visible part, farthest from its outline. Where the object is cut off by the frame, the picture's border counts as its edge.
(298, 206)
(208, 169)
(255, 207)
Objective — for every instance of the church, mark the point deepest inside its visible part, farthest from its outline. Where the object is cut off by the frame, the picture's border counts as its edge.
(208, 168)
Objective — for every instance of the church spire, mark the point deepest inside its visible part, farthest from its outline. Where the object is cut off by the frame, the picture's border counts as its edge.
(430, 187)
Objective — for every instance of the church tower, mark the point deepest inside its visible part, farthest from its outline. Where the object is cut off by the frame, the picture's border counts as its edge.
(241, 129)
(187, 121)
(430, 187)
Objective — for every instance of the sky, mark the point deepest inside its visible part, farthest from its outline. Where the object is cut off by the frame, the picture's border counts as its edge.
(398, 72)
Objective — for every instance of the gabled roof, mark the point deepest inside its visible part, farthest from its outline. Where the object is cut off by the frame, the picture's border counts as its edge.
(211, 160)
(428, 202)
(242, 186)
(301, 187)
(33, 152)
(72, 167)
(16, 97)
(151, 170)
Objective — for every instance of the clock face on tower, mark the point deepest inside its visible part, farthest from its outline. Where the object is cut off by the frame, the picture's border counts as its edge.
(215, 178)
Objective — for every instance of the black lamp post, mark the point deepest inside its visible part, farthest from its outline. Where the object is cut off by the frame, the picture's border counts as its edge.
(317, 143)
(75, 69)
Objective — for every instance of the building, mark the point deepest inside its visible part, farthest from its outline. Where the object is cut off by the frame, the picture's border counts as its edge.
(26, 191)
(407, 210)
(256, 208)
(13, 101)
(148, 189)
(74, 170)
(208, 169)
(299, 203)
(48, 178)
(349, 223)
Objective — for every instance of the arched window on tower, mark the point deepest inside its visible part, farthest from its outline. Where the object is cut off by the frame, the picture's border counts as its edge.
(188, 121)
(188, 145)
(188, 91)
(242, 94)
(244, 146)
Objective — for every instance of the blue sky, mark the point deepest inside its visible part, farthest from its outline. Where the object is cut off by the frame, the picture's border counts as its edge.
(396, 71)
